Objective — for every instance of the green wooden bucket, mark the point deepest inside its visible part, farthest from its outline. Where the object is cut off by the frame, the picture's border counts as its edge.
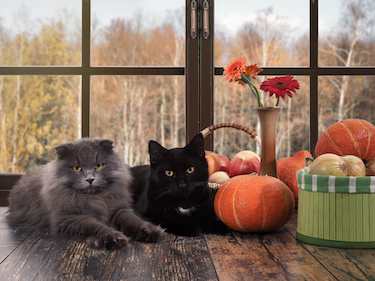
(336, 211)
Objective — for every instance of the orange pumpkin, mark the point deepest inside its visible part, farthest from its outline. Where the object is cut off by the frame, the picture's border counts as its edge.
(350, 137)
(251, 203)
(287, 169)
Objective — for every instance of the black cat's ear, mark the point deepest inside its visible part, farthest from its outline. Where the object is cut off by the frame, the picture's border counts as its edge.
(62, 150)
(105, 144)
(156, 151)
(196, 145)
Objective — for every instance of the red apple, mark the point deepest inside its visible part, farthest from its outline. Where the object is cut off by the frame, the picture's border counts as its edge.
(219, 177)
(224, 163)
(213, 162)
(244, 162)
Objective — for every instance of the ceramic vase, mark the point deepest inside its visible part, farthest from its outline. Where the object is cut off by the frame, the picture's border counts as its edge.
(268, 120)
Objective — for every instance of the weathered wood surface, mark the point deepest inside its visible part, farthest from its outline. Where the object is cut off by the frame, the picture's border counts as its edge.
(29, 254)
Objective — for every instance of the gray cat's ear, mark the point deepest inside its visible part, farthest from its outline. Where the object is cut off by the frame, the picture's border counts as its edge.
(62, 150)
(156, 151)
(106, 144)
(196, 145)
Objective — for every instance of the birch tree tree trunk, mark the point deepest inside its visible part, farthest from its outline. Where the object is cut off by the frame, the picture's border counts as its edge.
(177, 113)
(16, 108)
(162, 120)
(3, 145)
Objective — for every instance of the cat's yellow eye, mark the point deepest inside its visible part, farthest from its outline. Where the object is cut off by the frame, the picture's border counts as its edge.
(169, 173)
(99, 166)
(190, 170)
(77, 169)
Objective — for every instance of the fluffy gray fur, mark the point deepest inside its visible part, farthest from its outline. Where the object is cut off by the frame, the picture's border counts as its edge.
(82, 194)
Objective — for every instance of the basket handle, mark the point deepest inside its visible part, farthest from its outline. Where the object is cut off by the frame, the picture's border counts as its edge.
(205, 132)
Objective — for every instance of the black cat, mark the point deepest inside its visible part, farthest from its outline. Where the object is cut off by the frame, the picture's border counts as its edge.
(173, 192)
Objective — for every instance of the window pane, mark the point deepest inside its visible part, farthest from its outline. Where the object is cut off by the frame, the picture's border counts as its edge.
(138, 33)
(235, 103)
(36, 113)
(269, 33)
(343, 97)
(347, 33)
(30, 35)
(132, 110)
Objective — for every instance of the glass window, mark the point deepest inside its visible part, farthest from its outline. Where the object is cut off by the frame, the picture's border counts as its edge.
(140, 93)
(343, 97)
(30, 35)
(346, 33)
(269, 33)
(132, 110)
(138, 33)
(36, 113)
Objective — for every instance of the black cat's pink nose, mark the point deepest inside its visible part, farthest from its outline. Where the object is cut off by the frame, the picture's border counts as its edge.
(90, 181)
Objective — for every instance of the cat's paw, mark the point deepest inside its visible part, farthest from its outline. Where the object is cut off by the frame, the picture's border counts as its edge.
(113, 240)
(150, 233)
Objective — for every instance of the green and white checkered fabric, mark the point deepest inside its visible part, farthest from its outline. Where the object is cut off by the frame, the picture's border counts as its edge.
(332, 184)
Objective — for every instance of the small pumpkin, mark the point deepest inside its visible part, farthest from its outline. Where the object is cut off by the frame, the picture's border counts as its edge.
(350, 137)
(251, 203)
(287, 170)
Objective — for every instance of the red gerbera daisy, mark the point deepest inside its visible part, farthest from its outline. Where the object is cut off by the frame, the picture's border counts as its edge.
(232, 72)
(280, 86)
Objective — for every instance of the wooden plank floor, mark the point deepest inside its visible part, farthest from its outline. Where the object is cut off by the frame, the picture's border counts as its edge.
(30, 254)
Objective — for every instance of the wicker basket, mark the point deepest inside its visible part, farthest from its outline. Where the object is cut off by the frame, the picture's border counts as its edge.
(205, 132)
(336, 211)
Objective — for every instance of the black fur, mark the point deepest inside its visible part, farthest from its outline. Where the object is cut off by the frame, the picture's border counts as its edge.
(182, 203)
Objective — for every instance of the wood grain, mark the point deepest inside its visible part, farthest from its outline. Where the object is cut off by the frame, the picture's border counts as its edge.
(32, 254)
(271, 256)
(38, 256)
(180, 258)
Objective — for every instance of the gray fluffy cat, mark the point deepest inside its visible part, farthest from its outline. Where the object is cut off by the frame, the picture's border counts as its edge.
(82, 194)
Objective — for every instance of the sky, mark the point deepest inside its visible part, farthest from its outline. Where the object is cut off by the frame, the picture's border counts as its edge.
(227, 16)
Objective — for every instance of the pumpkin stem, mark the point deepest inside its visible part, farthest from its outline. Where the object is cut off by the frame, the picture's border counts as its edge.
(307, 159)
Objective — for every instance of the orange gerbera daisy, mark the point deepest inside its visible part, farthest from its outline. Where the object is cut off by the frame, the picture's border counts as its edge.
(250, 71)
(232, 72)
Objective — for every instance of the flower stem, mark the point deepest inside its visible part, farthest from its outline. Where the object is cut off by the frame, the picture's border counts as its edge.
(252, 88)
(278, 99)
